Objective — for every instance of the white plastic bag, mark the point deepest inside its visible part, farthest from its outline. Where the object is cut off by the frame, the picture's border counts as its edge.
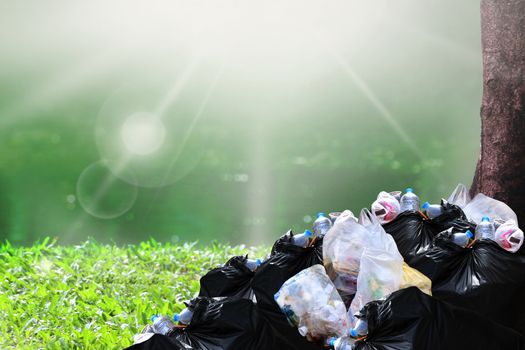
(460, 196)
(483, 205)
(509, 236)
(386, 207)
(343, 246)
(311, 302)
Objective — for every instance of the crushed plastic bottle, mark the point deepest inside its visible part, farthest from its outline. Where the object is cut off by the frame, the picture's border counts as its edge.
(485, 229)
(303, 239)
(162, 324)
(460, 196)
(321, 225)
(334, 215)
(344, 343)
(360, 329)
(432, 210)
(311, 303)
(386, 207)
(184, 317)
(462, 239)
(409, 201)
(509, 236)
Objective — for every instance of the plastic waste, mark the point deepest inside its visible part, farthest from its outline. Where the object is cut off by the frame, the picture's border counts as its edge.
(396, 194)
(342, 249)
(409, 201)
(483, 205)
(485, 229)
(345, 343)
(321, 225)
(432, 210)
(303, 239)
(460, 196)
(509, 236)
(462, 239)
(345, 215)
(365, 217)
(184, 317)
(146, 333)
(386, 207)
(252, 264)
(162, 325)
(414, 278)
(310, 302)
(334, 215)
(360, 329)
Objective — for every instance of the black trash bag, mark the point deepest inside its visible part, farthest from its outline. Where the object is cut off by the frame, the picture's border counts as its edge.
(286, 261)
(411, 320)
(217, 324)
(232, 279)
(484, 278)
(414, 233)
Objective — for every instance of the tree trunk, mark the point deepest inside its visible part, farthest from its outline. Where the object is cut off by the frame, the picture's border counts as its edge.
(500, 172)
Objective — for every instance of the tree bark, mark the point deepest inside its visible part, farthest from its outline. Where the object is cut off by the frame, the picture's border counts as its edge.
(500, 172)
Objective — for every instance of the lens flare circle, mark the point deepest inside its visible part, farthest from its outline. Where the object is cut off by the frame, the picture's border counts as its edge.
(143, 133)
(102, 194)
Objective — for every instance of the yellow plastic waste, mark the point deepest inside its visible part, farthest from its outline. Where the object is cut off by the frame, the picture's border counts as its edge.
(412, 277)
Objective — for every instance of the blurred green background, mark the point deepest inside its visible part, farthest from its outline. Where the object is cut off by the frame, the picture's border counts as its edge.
(228, 120)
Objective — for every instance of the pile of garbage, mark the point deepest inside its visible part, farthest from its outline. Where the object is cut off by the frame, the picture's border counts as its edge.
(401, 275)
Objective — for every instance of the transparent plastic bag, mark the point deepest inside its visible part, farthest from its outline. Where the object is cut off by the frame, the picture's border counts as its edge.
(386, 207)
(311, 303)
(483, 205)
(381, 273)
(460, 196)
(342, 249)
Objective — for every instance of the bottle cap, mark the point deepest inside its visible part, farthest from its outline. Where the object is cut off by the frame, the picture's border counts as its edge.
(469, 234)
(154, 317)
(308, 233)
(409, 190)
(320, 215)
(425, 205)
(353, 333)
(485, 218)
(332, 341)
(176, 317)
(258, 262)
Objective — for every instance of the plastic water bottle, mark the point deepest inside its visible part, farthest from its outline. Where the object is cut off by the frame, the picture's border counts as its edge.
(334, 215)
(184, 317)
(345, 343)
(485, 229)
(462, 239)
(321, 225)
(162, 324)
(360, 329)
(509, 236)
(252, 264)
(409, 201)
(302, 239)
(432, 210)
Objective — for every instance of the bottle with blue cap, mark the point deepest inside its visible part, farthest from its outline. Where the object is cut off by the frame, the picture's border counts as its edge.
(184, 317)
(485, 229)
(303, 239)
(360, 329)
(409, 201)
(462, 239)
(345, 343)
(252, 264)
(432, 210)
(321, 225)
(161, 324)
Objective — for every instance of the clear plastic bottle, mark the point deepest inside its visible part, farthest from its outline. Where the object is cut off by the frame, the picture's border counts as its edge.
(321, 225)
(302, 239)
(184, 317)
(252, 264)
(360, 329)
(462, 239)
(485, 229)
(409, 201)
(345, 343)
(432, 210)
(162, 324)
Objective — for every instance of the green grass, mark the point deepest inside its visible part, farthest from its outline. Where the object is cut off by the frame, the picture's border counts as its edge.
(96, 295)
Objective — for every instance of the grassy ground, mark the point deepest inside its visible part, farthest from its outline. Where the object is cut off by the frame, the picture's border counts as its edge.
(95, 295)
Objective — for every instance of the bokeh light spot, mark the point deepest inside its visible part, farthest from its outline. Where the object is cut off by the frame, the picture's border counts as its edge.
(143, 133)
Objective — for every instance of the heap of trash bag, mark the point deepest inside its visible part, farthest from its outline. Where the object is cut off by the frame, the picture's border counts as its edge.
(400, 275)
